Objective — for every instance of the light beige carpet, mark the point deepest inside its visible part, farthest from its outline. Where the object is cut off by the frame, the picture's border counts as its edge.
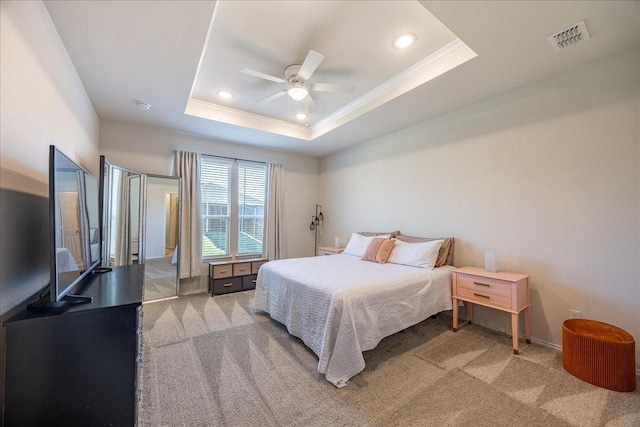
(160, 278)
(212, 362)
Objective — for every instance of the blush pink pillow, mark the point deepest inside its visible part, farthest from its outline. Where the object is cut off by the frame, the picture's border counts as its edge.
(372, 249)
(378, 250)
(385, 250)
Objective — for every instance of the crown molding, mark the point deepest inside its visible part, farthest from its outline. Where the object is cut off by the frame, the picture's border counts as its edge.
(434, 65)
(207, 110)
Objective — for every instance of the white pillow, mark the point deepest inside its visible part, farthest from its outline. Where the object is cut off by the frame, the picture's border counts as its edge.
(423, 255)
(358, 244)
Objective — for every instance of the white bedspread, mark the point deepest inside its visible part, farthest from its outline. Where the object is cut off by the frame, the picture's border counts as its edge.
(340, 306)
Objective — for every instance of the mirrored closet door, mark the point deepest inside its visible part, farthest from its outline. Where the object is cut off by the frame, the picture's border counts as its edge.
(122, 219)
(162, 220)
(141, 223)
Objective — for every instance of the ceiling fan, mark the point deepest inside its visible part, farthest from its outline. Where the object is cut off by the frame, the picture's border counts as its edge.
(297, 81)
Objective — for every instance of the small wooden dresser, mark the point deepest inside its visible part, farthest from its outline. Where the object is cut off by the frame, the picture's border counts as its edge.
(233, 276)
(500, 290)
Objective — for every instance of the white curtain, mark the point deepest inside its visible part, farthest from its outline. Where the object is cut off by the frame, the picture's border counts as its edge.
(187, 167)
(275, 231)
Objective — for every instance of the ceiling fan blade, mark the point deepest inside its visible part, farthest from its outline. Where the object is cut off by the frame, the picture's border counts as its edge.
(332, 87)
(309, 65)
(262, 75)
(272, 97)
(311, 106)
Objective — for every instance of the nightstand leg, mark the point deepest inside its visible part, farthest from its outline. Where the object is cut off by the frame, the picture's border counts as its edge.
(455, 315)
(469, 311)
(527, 324)
(514, 331)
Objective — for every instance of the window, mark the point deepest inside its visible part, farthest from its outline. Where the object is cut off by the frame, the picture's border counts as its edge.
(233, 196)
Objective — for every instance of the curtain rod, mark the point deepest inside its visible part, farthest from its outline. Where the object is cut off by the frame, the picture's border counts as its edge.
(232, 158)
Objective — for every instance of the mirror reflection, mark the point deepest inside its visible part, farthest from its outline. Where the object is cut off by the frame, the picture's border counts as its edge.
(121, 215)
(141, 223)
(162, 218)
(77, 237)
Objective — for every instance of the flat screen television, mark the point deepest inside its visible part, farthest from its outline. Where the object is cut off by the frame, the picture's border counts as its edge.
(74, 229)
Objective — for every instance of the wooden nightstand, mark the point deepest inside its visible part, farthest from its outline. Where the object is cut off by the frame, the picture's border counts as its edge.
(501, 290)
(329, 250)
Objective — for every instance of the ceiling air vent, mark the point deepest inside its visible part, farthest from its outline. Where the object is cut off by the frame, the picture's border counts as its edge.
(569, 37)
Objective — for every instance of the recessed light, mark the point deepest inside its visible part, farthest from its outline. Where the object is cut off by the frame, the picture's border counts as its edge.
(301, 116)
(403, 41)
(225, 94)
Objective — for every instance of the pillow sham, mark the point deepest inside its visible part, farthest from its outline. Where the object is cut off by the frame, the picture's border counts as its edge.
(445, 254)
(358, 244)
(422, 255)
(378, 250)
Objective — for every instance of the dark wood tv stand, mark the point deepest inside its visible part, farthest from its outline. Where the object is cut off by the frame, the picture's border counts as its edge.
(78, 366)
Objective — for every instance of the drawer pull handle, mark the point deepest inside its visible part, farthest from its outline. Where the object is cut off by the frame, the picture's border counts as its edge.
(226, 285)
(480, 295)
(482, 284)
(243, 269)
(253, 281)
(223, 271)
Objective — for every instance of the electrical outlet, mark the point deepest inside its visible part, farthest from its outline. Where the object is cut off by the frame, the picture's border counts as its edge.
(575, 314)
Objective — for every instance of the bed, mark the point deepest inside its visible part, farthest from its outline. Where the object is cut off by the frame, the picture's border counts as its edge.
(340, 305)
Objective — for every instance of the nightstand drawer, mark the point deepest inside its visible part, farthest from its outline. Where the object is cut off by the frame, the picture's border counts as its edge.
(485, 285)
(242, 269)
(221, 271)
(231, 284)
(485, 298)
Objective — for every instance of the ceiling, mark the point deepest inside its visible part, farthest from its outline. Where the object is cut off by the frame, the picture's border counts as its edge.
(176, 55)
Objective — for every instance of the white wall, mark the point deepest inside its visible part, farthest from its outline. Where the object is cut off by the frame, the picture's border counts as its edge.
(42, 102)
(547, 176)
(150, 150)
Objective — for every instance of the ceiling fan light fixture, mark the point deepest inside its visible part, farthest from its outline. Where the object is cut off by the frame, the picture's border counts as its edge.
(403, 41)
(298, 92)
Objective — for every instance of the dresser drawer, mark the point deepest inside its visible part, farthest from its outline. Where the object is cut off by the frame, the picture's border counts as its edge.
(223, 286)
(484, 285)
(242, 269)
(222, 270)
(255, 266)
(249, 282)
(485, 298)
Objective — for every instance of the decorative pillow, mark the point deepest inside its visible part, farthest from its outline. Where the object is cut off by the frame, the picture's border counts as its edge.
(372, 250)
(358, 244)
(445, 255)
(385, 250)
(423, 255)
(378, 250)
(390, 234)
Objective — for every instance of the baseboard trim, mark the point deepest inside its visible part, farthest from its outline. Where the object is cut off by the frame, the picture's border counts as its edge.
(508, 332)
(151, 301)
(193, 292)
